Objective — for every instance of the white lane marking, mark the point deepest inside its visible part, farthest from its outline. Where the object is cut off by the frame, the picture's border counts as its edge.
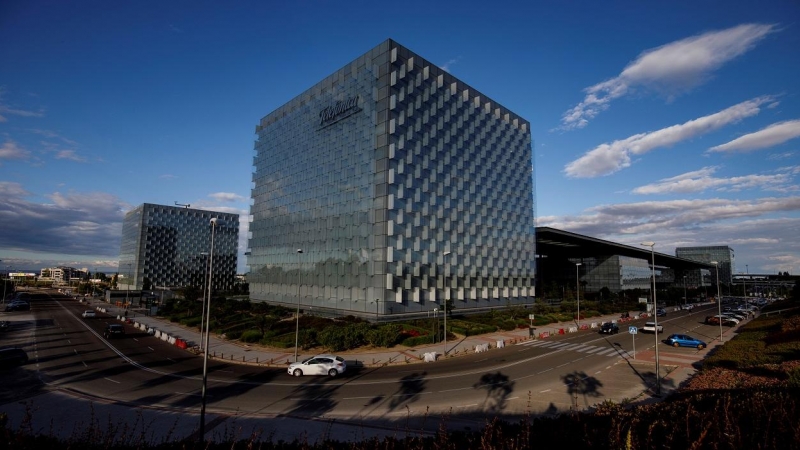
(546, 390)
(151, 348)
(109, 379)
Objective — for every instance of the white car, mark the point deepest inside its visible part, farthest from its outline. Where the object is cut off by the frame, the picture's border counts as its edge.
(687, 306)
(330, 365)
(650, 327)
(88, 313)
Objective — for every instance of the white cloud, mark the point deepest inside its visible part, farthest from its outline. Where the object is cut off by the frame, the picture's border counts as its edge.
(227, 197)
(72, 224)
(764, 231)
(70, 155)
(10, 150)
(773, 135)
(671, 69)
(701, 180)
(606, 159)
(449, 64)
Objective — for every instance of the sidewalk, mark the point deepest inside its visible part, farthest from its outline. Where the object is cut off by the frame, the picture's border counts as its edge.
(236, 352)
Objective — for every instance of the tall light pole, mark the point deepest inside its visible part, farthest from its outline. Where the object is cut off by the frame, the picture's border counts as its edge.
(652, 246)
(578, 291)
(127, 286)
(297, 315)
(203, 314)
(205, 354)
(444, 306)
(744, 285)
(719, 302)
(3, 301)
(685, 299)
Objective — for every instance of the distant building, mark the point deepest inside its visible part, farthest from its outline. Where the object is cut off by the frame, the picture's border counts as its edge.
(722, 254)
(568, 259)
(389, 188)
(168, 246)
(61, 275)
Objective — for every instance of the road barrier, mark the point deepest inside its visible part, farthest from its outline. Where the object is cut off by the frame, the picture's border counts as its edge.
(544, 334)
(429, 357)
(481, 348)
(501, 343)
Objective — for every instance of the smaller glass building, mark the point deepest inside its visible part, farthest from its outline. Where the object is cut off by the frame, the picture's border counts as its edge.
(722, 254)
(169, 247)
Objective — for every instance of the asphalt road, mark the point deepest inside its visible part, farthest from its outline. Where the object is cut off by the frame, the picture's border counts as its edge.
(575, 371)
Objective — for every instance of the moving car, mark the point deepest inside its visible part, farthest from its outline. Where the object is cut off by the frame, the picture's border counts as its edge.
(114, 330)
(661, 312)
(88, 313)
(683, 340)
(609, 328)
(330, 365)
(687, 307)
(650, 327)
(12, 357)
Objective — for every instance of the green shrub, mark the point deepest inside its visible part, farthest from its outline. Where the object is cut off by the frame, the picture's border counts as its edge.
(233, 334)
(251, 336)
(193, 321)
(418, 340)
(794, 378)
(384, 335)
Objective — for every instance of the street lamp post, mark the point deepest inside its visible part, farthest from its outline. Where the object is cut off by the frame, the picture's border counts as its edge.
(435, 323)
(203, 314)
(744, 284)
(208, 316)
(444, 308)
(719, 302)
(685, 299)
(652, 246)
(578, 291)
(3, 300)
(127, 286)
(297, 315)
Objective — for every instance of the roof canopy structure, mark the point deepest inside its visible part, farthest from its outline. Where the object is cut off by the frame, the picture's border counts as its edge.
(550, 241)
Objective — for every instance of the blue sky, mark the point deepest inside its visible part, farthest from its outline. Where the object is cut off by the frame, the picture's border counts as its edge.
(674, 122)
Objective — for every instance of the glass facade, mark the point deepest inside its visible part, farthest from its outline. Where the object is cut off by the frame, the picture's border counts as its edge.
(389, 187)
(169, 246)
(618, 273)
(720, 253)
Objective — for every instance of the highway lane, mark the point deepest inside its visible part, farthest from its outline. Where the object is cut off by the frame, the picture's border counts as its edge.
(143, 370)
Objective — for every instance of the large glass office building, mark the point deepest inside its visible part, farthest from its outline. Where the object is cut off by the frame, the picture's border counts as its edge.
(388, 188)
(169, 247)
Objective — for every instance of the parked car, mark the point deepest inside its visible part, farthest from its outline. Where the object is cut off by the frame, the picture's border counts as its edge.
(18, 305)
(330, 365)
(726, 320)
(114, 330)
(736, 315)
(650, 327)
(609, 328)
(712, 320)
(683, 340)
(12, 357)
(88, 313)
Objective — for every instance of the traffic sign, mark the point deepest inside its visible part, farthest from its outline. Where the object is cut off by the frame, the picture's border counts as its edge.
(633, 330)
